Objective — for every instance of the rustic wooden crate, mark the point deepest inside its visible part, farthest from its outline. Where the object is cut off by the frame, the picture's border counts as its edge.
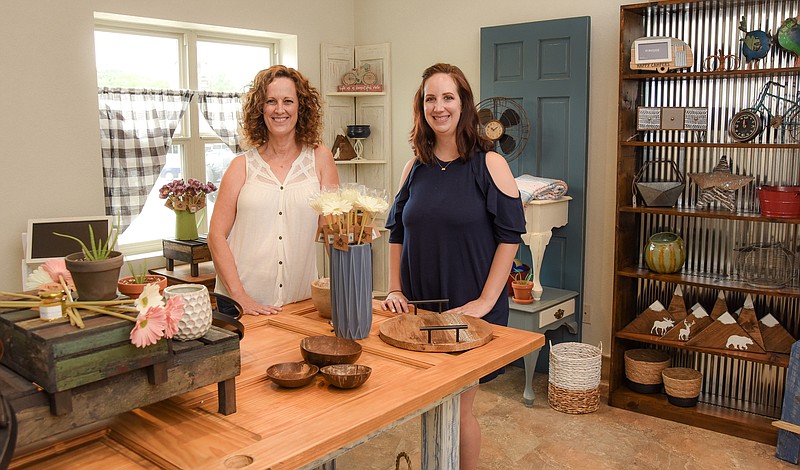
(59, 357)
(214, 358)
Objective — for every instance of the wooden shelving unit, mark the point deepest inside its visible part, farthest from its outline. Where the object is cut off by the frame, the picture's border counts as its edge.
(742, 391)
(341, 109)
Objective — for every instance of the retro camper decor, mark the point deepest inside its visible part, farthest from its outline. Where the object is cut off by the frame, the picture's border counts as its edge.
(660, 53)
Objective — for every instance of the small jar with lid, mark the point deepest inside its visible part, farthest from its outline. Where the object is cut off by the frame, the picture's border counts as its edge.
(51, 306)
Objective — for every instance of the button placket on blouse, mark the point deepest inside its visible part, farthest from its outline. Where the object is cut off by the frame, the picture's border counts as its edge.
(281, 247)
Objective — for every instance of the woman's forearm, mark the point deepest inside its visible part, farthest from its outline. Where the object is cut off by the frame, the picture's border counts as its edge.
(499, 271)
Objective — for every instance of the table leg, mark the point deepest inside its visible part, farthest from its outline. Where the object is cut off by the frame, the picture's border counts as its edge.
(537, 242)
(226, 396)
(440, 436)
(530, 360)
(61, 403)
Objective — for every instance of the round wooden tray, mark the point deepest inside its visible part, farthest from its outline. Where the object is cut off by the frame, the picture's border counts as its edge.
(404, 332)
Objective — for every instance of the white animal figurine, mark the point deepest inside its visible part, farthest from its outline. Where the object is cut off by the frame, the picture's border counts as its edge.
(660, 327)
(683, 335)
(738, 342)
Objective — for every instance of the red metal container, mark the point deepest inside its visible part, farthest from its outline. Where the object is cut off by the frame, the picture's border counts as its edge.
(780, 201)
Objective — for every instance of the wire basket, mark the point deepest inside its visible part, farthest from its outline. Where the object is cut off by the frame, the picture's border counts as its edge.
(574, 379)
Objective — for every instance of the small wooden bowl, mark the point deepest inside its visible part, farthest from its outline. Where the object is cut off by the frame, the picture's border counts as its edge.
(346, 375)
(326, 350)
(292, 374)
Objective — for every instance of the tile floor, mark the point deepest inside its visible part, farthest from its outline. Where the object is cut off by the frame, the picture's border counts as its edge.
(516, 437)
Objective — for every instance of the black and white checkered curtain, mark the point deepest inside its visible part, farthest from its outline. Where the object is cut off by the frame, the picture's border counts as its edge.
(223, 112)
(136, 129)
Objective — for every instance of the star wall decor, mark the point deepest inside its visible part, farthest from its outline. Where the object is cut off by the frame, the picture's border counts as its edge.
(719, 186)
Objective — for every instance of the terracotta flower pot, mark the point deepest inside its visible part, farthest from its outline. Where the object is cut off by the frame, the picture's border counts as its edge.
(128, 286)
(95, 280)
(522, 292)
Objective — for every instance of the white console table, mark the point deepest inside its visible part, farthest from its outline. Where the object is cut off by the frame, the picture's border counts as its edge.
(541, 217)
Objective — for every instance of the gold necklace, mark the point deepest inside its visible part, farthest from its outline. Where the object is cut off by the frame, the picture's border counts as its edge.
(436, 159)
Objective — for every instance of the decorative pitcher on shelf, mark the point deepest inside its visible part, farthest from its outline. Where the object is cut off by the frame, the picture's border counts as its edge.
(197, 313)
(665, 252)
(351, 291)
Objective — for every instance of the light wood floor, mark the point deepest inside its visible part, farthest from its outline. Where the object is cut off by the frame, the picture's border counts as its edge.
(516, 437)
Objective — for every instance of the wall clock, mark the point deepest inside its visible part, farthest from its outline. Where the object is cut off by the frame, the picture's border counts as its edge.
(745, 125)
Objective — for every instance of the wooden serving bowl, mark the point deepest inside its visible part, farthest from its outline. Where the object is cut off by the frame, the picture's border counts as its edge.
(292, 374)
(346, 375)
(326, 350)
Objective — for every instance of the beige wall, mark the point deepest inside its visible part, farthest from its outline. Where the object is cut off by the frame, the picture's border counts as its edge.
(48, 115)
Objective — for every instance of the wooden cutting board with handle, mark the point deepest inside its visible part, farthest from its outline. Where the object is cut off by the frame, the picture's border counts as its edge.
(411, 332)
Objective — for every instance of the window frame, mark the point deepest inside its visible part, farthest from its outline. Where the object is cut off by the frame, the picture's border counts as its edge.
(188, 135)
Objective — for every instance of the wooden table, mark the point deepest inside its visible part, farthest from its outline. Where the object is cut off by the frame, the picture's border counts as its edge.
(280, 428)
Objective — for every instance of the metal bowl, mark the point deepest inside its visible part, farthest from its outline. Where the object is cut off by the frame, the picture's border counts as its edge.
(292, 374)
(326, 350)
(346, 375)
(358, 131)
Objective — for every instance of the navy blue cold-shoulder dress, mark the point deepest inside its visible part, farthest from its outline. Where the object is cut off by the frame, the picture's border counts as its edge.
(450, 223)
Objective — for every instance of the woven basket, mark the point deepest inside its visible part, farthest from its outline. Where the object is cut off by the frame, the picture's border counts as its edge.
(682, 382)
(574, 379)
(644, 366)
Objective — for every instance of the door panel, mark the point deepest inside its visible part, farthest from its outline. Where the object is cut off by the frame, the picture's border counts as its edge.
(545, 66)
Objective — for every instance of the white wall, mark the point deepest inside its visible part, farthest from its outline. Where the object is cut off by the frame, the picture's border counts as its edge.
(423, 32)
(48, 95)
(48, 114)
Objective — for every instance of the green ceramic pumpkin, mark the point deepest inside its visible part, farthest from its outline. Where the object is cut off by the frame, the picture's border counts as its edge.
(665, 252)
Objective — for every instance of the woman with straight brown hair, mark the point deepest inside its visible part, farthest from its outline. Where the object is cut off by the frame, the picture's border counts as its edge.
(456, 221)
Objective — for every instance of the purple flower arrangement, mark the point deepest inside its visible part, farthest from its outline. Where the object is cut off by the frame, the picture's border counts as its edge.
(186, 195)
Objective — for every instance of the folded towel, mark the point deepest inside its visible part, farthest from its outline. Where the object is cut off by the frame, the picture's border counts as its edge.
(533, 188)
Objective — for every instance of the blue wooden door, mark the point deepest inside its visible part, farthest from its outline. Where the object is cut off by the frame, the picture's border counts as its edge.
(545, 66)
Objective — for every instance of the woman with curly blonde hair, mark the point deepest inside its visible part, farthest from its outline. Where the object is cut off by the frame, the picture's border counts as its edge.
(262, 230)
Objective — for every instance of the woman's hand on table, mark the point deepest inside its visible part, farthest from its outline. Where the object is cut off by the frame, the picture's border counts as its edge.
(395, 301)
(251, 307)
(476, 308)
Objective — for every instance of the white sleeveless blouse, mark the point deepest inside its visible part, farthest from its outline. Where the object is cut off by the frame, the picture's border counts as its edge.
(272, 238)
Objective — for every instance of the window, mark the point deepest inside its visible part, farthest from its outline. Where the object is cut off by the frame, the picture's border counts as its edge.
(142, 53)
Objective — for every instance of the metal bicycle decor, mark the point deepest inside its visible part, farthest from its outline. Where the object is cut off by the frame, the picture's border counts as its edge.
(750, 122)
(360, 74)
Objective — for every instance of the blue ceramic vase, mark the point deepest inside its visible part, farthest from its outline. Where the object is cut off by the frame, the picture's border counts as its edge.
(351, 291)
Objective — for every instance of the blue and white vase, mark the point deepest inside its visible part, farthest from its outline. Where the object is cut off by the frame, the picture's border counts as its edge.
(351, 291)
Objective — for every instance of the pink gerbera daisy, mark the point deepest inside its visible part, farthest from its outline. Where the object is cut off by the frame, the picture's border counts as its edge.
(149, 327)
(174, 312)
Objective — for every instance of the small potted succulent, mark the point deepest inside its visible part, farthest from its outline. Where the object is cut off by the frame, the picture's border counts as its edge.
(95, 269)
(132, 286)
(522, 287)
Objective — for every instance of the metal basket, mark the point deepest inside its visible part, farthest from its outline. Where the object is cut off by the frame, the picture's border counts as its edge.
(659, 193)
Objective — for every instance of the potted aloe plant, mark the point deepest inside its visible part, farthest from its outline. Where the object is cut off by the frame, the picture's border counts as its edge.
(133, 285)
(522, 288)
(95, 269)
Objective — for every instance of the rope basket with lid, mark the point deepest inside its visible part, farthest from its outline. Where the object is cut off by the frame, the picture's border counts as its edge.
(574, 379)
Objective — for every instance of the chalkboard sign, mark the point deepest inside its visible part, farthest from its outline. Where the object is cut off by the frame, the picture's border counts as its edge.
(42, 244)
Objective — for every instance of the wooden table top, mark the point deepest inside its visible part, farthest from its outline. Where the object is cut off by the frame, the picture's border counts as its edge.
(278, 428)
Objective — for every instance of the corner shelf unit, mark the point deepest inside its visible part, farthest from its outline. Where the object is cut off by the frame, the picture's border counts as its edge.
(341, 109)
(741, 391)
